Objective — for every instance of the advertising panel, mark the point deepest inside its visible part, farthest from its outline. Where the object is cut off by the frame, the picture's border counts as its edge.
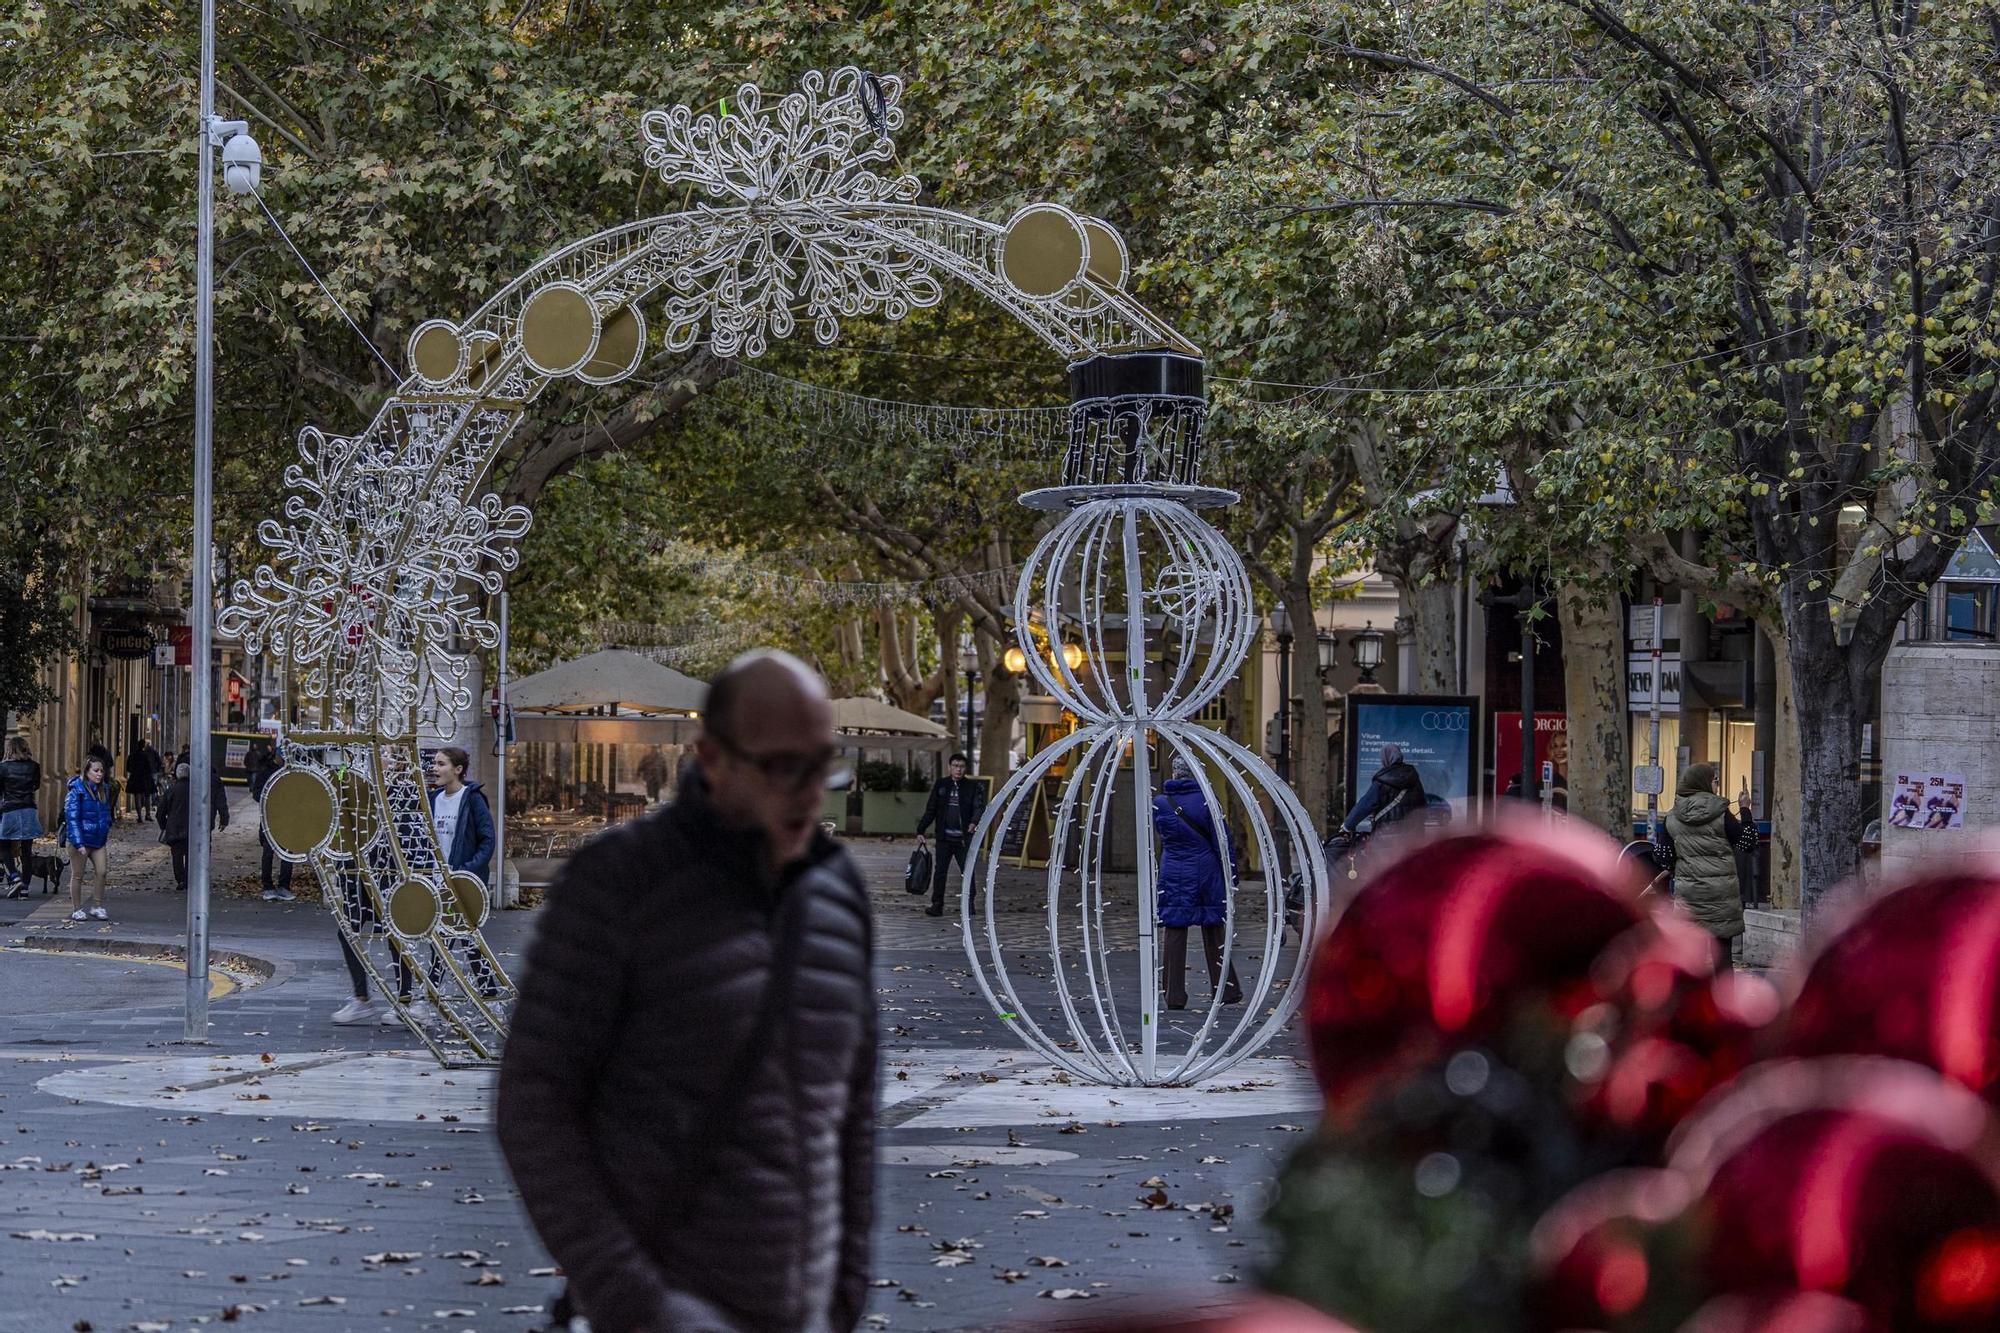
(1551, 748)
(1437, 733)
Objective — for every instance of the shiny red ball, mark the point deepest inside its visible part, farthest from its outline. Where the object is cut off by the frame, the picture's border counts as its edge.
(1438, 948)
(1914, 975)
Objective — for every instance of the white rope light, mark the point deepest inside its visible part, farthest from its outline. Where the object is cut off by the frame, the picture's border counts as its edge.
(1137, 574)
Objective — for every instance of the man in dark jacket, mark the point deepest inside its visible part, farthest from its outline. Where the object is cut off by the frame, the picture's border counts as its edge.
(1395, 790)
(955, 806)
(173, 811)
(687, 1099)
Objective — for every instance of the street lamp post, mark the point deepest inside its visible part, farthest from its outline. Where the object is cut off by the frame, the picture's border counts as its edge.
(1521, 603)
(1281, 629)
(967, 653)
(241, 165)
(1329, 652)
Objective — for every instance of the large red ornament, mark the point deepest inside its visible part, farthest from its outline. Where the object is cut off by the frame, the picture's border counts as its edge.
(1916, 975)
(1671, 1030)
(1868, 1179)
(1440, 946)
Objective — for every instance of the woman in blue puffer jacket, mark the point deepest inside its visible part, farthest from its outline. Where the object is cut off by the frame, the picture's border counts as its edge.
(87, 827)
(1194, 883)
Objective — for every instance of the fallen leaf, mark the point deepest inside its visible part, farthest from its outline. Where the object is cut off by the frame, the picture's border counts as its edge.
(41, 1233)
(1068, 1294)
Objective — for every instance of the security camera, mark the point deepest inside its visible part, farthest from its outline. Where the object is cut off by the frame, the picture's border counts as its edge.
(242, 163)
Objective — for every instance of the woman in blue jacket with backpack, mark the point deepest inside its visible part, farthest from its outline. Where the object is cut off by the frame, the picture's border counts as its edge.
(1194, 883)
(87, 827)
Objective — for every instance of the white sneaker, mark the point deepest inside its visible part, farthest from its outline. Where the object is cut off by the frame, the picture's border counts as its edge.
(79, 915)
(392, 1019)
(282, 896)
(355, 1013)
(99, 914)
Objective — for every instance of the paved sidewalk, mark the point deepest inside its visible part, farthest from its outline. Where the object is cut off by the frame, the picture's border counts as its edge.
(332, 1178)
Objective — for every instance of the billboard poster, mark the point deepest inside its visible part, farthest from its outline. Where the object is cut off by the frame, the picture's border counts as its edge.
(1551, 747)
(1438, 733)
(1928, 801)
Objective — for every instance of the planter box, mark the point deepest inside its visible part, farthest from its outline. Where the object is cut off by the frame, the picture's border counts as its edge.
(892, 812)
(833, 806)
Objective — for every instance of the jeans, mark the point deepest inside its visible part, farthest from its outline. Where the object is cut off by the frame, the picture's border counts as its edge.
(284, 879)
(1175, 959)
(1371, 801)
(947, 850)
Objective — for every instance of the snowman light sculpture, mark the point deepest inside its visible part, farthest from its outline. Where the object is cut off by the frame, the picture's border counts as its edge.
(1160, 605)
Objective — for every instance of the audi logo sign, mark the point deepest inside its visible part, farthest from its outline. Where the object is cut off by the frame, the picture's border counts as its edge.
(1445, 720)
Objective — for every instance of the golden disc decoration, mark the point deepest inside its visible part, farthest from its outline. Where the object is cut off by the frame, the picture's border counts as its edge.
(413, 909)
(1044, 251)
(360, 820)
(299, 811)
(559, 329)
(437, 352)
(1108, 262)
(468, 895)
(619, 348)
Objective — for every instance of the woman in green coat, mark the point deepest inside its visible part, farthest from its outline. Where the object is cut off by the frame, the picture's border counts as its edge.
(1699, 840)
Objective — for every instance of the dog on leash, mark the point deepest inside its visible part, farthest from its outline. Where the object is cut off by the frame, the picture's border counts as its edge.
(49, 867)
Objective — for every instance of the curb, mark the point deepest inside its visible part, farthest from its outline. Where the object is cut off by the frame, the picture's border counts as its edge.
(246, 970)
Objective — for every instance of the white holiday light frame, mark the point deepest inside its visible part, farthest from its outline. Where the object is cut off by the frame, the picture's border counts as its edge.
(364, 600)
(1103, 541)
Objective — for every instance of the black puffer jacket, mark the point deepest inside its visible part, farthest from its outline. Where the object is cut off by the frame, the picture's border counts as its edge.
(642, 985)
(20, 782)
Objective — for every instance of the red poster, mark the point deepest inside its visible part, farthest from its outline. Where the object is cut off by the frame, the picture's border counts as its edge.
(1551, 746)
(183, 637)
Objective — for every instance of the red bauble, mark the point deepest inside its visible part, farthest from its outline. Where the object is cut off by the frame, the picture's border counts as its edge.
(1869, 1179)
(1439, 947)
(1785, 1312)
(1672, 1030)
(1915, 975)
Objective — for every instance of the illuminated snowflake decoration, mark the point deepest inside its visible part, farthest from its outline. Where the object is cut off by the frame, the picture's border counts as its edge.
(373, 566)
(787, 237)
(1186, 592)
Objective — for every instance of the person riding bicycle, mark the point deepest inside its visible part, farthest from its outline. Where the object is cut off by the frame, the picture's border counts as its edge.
(1394, 791)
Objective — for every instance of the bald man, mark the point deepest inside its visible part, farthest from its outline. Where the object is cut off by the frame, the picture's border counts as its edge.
(688, 1095)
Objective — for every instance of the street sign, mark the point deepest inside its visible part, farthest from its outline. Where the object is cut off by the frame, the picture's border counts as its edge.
(1649, 779)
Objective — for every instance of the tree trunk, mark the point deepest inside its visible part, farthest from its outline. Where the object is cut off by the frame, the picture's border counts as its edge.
(1308, 740)
(1003, 709)
(1782, 783)
(1827, 700)
(1600, 769)
(1433, 612)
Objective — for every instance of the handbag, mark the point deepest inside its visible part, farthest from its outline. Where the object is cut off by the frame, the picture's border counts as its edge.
(917, 874)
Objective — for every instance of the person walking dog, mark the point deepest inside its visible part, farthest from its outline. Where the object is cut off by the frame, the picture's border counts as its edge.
(87, 828)
(687, 1098)
(1194, 881)
(20, 823)
(955, 805)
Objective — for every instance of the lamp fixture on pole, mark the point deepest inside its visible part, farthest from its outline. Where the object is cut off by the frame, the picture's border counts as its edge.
(1368, 652)
(1014, 660)
(969, 660)
(1329, 651)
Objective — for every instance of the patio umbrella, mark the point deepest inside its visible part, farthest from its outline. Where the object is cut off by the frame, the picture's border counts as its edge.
(614, 678)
